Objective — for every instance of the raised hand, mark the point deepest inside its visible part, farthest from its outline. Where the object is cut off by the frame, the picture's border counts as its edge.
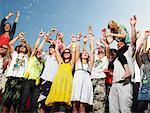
(10, 14)
(18, 13)
(79, 36)
(103, 31)
(53, 30)
(147, 33)
(23, 39)
(98, 43)
(21, 35)
(133, 20)
(59, 36)
(41, 34)
(46, 36)
(73, 37)
(90, 30)
(85, 39)
(53, 42)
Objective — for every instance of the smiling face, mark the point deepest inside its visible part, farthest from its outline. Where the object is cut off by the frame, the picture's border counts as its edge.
(67, 54)
(7, 27)
(22, 49)
(3, 49)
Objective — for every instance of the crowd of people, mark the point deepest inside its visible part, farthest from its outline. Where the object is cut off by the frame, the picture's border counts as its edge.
(70, 79)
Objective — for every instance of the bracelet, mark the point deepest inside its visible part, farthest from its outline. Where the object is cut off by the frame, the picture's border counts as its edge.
(73, 45)
(78, 42)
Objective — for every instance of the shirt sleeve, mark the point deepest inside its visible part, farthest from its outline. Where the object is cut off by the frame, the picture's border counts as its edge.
(13, 31)
(2, 25)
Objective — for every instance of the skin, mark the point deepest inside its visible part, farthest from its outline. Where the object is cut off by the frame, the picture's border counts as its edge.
(7, 27)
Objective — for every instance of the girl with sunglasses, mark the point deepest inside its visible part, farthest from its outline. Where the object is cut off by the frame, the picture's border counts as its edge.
(11, 96)
(61, 89)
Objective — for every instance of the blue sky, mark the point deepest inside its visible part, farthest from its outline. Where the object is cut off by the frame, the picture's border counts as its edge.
(73, 16)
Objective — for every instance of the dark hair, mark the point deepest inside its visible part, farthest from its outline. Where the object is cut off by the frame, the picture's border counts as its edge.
(5, 25)
(26, 51)
(145, 58)
(81, 57)
(62, 55)
(18, 46)
(113, 50)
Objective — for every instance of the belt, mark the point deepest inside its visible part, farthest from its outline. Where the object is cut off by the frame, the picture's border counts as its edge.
(120, 81)
(84, 70)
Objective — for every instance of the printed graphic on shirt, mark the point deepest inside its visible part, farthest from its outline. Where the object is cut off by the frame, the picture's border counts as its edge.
(97, 63)
(20, 62)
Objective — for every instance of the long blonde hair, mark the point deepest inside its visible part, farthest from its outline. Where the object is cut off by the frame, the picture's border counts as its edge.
(114, 26)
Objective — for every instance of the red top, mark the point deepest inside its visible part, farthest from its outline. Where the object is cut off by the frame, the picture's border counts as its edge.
(108, 79)
(4, 40)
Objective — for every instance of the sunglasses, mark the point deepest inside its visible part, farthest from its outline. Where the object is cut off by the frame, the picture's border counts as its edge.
(67, 52)
(3, 47)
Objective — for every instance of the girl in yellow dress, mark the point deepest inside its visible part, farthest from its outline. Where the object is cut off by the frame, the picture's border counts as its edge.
(61, 89)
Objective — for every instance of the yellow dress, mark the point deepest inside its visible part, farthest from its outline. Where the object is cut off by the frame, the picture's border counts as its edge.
(61, 88)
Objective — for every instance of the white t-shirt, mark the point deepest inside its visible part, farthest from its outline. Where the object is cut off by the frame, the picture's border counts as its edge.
(18, 65)
(51, 67)
(99, 66)
(119, 71)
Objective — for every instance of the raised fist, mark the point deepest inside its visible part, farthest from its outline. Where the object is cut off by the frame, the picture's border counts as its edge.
(133, 20)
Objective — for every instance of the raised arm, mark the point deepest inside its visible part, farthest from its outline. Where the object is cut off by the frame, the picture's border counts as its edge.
(73, 54)
(138, 55)
(133, 22)
(146, 34)
(85, 39)
(23, 40)
(91, 36)
(78, 46)
(20, 35)
(15, 23)
(58, 56)
(116, 35)
(107, 48)
(37, 43)
(46, 39)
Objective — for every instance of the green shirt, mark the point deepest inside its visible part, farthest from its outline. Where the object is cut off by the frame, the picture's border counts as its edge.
(34, 69)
